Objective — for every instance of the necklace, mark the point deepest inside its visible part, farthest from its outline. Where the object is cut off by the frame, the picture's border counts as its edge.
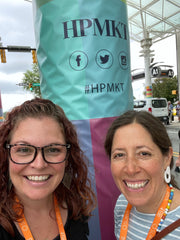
(158, 219)
(167, 208)
(26, 230)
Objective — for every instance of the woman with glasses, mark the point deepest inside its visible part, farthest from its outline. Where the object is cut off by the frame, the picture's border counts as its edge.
(45, 193)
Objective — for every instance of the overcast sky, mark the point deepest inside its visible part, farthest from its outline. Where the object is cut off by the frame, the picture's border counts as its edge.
(16, 28)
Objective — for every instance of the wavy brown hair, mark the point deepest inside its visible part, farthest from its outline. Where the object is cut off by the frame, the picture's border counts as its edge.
(79, 197)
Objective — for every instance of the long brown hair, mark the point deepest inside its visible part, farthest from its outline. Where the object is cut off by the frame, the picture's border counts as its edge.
(80, 197)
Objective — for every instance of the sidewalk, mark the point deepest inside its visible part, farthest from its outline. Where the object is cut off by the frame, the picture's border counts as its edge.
(175, 124)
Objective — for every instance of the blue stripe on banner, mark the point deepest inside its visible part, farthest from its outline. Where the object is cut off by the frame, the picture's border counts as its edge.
(84, 135)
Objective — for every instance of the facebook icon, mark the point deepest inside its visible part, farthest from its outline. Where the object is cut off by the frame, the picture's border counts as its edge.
(78, 60)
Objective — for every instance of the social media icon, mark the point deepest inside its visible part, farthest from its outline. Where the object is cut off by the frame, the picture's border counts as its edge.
(78, 60)
(123, 60)
(104, 59)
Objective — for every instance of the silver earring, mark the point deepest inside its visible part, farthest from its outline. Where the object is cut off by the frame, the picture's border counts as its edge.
(167, 175)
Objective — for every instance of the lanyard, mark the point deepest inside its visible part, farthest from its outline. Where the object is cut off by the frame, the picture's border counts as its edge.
(27, 233)
(157, 219)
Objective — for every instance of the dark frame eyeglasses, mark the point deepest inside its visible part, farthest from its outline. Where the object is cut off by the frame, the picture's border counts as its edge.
(26, 153)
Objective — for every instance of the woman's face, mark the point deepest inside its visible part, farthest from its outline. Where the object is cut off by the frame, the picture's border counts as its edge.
(138, 166)
(39, 179)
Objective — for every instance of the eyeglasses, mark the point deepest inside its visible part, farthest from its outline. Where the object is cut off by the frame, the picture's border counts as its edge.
(25, 153)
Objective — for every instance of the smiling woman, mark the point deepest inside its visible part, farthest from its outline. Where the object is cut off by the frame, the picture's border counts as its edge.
(141, 156)
(49, 192)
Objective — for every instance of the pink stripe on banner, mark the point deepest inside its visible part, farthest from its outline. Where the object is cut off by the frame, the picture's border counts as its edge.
(107, 192)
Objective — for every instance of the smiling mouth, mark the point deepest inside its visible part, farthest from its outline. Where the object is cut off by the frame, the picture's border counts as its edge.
(38, 178)
(136, 185)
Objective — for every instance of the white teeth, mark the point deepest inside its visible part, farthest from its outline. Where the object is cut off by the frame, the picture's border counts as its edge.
(38, 178)
(136, 185)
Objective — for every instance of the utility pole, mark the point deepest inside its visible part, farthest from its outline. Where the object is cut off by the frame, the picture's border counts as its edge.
(178, 61)
(146, 43)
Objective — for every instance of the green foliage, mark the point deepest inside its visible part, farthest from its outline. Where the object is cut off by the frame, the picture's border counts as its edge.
(162, 87)
(4, 115)
(32, 77)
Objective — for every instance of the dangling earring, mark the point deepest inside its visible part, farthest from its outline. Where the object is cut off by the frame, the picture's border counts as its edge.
(167, 175)
(67, 179)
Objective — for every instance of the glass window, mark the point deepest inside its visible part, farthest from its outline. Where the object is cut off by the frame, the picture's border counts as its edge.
(159, 103)
(139, 104)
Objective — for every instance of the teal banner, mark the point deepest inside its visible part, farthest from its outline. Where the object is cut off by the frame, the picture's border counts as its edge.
(84, 59)
(83, 53)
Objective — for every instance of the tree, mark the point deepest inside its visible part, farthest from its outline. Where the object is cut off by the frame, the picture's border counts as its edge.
(162, 87)
(31, 77)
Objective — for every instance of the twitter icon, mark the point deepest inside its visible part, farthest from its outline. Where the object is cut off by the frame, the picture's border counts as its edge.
(104, 59)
